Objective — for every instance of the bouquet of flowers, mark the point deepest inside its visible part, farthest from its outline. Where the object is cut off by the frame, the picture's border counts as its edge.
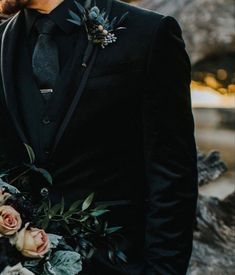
(42, 238)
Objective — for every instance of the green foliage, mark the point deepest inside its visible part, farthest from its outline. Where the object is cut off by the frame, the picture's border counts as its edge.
(80, 214)
(87, 203)
(83, 221)
(41, 171)
(63, 263)
(30, 153)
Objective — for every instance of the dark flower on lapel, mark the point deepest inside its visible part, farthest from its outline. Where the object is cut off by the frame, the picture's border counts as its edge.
(100, 29)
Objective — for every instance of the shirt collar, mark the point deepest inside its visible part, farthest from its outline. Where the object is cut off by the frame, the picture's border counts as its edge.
(59, 15)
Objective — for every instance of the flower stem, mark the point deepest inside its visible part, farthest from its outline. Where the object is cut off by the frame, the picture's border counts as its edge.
(20, 175)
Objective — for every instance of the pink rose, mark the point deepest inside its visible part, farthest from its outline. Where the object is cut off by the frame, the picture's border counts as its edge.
(33, 242)
(10, 220)
(4, 196)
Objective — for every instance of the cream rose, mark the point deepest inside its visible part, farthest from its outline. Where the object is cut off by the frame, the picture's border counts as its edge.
(16, 269)
(4, 196)
(32, 242)
(10, 220)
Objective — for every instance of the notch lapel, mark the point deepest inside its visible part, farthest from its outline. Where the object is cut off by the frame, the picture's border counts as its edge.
(8, 46)
(84, 72)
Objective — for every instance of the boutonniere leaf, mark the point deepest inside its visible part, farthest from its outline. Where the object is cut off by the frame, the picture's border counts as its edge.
(75, 19)
(100, 29)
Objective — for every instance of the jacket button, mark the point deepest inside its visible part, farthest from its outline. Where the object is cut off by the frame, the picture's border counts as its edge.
(46, 120)
(44, 192)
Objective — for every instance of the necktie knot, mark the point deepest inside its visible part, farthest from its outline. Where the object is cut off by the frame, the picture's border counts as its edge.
(45, 25)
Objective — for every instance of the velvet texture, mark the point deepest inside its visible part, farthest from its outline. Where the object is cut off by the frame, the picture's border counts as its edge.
(130, 140)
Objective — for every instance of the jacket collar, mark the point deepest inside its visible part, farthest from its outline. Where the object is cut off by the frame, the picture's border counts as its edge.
(59, 15)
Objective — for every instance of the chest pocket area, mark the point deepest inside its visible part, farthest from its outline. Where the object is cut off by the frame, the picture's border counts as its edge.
(111, 80)
(114, 75)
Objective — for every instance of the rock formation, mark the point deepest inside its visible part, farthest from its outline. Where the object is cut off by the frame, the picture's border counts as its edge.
(210, 167)
(214, 246)
(214, 239)
(208, 25)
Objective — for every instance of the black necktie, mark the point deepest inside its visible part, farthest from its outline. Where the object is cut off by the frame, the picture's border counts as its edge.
(45, 60)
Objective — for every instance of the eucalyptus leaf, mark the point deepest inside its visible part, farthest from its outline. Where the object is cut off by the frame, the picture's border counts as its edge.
(121, 256)
(113, 22)
(74, 22)
(54, 210)
(11, 189)
(3, 174)
(90, 253)
(54, 240)
(75, 17)
(63, 263)
(80, 7)
(32, 263)
(43, 172)
(48, 269)
(65, 246)
(40, 209)
(75, 205)
(83, 219)
(88, 201)
(111, 230)
(102, 206)
(62, 206)
(123, 18)
(111, 256)
(105, 226)
(69, 213)
(99, 212)
(30, 153)
(46, 175)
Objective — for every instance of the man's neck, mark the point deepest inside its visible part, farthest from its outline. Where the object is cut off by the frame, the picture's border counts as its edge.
(44, 6)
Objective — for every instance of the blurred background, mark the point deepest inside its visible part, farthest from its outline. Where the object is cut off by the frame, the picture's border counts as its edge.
(209, 32)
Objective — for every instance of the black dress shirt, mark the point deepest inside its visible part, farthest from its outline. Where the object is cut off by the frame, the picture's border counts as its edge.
(65, 35)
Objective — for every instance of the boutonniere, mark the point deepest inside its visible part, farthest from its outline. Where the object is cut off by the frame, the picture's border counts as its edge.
(100, 29)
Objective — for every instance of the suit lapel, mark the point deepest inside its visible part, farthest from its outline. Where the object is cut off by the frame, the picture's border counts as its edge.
(8, 46)
(83, 73)
(92, 51)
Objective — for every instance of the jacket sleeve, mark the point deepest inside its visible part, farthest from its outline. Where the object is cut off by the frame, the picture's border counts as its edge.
(170, 153)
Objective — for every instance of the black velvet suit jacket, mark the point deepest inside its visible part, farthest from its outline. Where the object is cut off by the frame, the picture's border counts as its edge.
(130, 138)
